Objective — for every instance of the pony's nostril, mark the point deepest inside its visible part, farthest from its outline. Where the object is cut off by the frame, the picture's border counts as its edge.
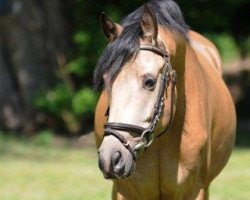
(119, 169)
(118, 165)
(116, 158)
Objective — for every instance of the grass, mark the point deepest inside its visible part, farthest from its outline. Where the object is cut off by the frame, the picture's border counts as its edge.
(234, 181)
(58, 169)
(31, 171)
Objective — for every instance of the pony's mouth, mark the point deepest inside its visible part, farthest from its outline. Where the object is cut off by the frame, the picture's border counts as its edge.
(116, 175)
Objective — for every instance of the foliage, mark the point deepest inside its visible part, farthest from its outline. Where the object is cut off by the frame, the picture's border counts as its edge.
(83, 101)
(226, 45)
(54, 100)
(44, 137)
(71, 101)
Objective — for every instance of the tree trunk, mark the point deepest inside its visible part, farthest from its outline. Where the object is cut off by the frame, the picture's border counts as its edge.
(33, 46)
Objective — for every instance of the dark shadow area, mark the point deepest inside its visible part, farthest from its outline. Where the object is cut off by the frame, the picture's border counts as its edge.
(243, 134)
(238, 83)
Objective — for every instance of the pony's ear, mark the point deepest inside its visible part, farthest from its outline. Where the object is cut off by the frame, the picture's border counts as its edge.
(149, 24)
(111, 29)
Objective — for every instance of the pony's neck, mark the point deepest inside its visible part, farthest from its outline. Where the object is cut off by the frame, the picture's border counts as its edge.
(176, 47)
(184, 60)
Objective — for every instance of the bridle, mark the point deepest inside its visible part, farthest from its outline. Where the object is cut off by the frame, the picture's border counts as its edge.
(146, 135)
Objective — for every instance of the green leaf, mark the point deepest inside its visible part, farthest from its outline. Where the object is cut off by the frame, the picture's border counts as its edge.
(77, 66)
(84, 101)
(227, 46)
(54, 100)
(82, 38)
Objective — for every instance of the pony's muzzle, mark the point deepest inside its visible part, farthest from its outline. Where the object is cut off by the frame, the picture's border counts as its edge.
(113, 167)
(115, 161)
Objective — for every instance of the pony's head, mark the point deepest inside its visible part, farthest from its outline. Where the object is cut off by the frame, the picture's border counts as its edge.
(133, 67)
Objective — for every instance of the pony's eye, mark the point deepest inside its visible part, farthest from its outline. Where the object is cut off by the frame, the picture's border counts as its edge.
(149, 83)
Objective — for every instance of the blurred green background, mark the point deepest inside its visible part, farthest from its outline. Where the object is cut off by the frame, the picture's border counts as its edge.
(48, 51)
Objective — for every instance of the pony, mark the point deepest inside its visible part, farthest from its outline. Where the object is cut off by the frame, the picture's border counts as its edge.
(165, 121)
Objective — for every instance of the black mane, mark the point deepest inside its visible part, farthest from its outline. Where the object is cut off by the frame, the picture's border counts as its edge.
(126, 46)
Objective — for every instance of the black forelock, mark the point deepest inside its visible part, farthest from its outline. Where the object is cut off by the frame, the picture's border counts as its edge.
(126, 46)
(117, 53)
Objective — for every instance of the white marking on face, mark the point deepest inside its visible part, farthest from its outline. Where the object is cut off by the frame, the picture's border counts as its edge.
(131, 102)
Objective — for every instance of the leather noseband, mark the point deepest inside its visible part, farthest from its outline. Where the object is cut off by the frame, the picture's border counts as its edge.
(146, 135)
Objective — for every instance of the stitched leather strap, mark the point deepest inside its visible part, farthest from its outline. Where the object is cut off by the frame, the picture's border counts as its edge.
(122, 139)
(125, 127)
(157, 50)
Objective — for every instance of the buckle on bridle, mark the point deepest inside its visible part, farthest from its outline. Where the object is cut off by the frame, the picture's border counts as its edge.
(173, 76)
(126, 144)
(147, 138)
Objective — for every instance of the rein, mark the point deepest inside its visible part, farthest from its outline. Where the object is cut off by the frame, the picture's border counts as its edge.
(146, 135)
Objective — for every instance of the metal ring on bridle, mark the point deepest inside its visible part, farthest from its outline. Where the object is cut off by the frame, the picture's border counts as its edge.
(150, 139)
